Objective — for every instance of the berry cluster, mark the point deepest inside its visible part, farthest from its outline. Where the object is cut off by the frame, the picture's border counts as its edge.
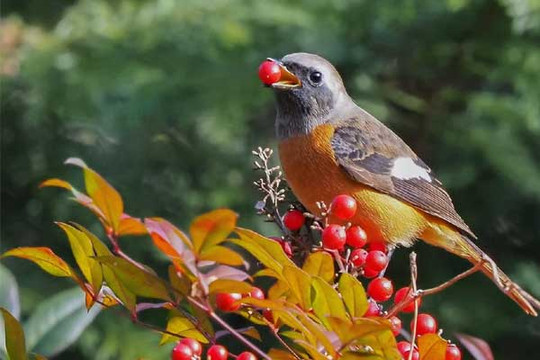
(191, 349)
(369, 259)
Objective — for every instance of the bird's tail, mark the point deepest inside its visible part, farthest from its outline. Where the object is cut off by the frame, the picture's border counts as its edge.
(464, 247)
(475, 255)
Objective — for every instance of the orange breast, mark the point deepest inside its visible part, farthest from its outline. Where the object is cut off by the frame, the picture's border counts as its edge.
(314, 175)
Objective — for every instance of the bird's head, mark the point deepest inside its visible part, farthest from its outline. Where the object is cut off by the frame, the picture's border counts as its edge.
(308, 91)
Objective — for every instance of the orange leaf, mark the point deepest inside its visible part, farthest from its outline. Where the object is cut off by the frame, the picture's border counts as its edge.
(45, 258)
(432, 347)
(56, 183)
(131, 226)
(212, 228)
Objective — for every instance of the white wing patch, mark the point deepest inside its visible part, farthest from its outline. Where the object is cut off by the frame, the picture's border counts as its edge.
(405, 168)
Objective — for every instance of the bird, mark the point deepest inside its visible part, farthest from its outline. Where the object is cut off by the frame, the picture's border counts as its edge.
(328, 146)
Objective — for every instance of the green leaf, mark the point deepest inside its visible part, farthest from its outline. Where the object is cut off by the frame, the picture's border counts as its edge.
(353, 295)
(327, 301)
(179, 282)
(58, 322)
(222, 255)
(300, 285)
(9, 292)
(265, 250)
(432, 347)
(181, 326)
(126, 296)
(212, 228)
(320, 264)
(136, 280)
(83, 251)
(45, 258)
(14, 337)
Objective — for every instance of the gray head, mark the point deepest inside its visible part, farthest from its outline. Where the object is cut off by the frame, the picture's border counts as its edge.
(309, 92)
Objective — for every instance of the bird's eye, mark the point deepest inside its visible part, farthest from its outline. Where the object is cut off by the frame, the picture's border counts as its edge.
(315, 77)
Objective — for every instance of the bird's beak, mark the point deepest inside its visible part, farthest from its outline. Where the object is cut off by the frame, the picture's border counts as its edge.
(287, 80)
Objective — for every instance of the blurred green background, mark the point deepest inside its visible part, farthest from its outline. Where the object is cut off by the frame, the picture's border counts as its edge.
(162, 98)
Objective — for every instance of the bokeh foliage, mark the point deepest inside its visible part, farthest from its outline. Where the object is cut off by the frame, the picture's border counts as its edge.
(163, 99)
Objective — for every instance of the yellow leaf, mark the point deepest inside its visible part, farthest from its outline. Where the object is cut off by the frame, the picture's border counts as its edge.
(103, 195)
(251, 332)
(277, 354)
(300, 285)
(182, 327)
(212, 228)
(229, 286)
(222, 255)
(320, 264)
(136, 280)
(45, 258)
(353, 295)
(84, 254)
(432, 347)
(14, 337)
(327, 302)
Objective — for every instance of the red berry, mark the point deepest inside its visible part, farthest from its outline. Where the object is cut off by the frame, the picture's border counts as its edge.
(373, 309)
(356, 237)
(395, 323)
(426, 325)
(256, 293)
(227, 301)
(380, 289)
(370, 273)
(217, 352)
(343, 207)
(195, 346)
(401, 294)
(452, 352)
(358, 257)
(269, 72)
(378, 245)
(334, 237)
(294, 220)
(404, 348)
(376, 260)
(182, 352)
(246, 355)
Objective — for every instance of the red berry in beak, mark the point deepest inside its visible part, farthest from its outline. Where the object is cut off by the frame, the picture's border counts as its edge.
(269, 72)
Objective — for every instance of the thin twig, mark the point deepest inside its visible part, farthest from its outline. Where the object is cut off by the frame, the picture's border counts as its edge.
(414, 295)
(414, 277)
(118, 251)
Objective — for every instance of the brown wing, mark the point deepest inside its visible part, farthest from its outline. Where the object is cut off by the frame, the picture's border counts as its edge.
(372, 154)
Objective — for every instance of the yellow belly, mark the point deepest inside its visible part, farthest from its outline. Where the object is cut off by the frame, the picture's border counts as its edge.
(313, 175)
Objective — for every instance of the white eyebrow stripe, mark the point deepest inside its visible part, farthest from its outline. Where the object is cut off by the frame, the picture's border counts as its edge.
(405, 168)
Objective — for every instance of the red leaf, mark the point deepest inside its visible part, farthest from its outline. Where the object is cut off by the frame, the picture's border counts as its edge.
(478, 348)
(45, 258)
